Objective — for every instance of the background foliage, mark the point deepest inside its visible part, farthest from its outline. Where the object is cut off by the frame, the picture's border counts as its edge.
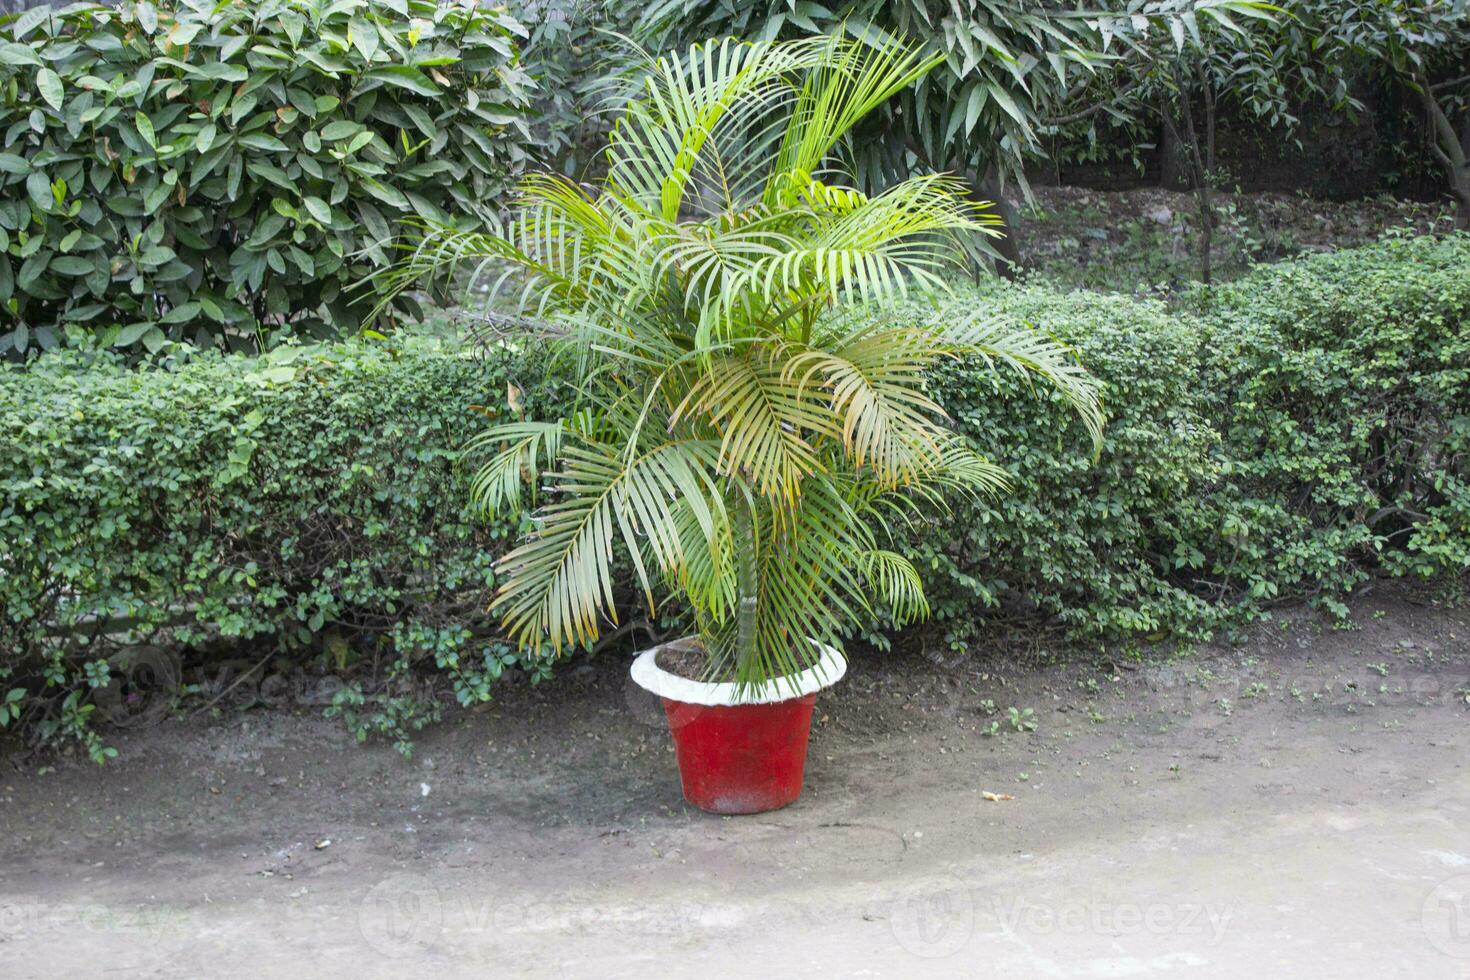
(218, 174)
(1289, 435)
(1423, 46)
(1014, 74)
(574, 49)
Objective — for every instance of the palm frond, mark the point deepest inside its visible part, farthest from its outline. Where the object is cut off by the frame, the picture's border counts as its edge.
(875, 381)
(1030, 354)
(558, 584)
(811, 585)
(765, 421)
(663, 139)
(894, 577)
(849, 82)
(521, 450)
(962, 469)
(877, 249)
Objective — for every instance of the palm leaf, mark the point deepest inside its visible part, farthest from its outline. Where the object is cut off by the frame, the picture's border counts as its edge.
(519, 447)
(558, 584)
(1029, 353)
(764, 420)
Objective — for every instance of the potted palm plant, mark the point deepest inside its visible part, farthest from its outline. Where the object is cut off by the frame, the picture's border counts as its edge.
(755, 411)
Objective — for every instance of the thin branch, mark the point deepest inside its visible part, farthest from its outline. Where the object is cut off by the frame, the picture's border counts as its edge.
(238, 681)
(1453, 82)
(655, 637)
(1093, 110)
(1441, 156)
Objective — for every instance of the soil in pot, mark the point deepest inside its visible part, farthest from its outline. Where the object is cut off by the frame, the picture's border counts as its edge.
(687, 658)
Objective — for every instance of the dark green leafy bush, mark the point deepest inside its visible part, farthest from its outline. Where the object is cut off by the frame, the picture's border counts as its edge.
(219, 172)
(573, 50)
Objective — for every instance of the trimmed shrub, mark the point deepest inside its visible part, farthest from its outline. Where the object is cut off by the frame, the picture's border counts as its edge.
(307, 501)
(218, 173)
(1299, 430)
(1079, 543)
(1341, 386)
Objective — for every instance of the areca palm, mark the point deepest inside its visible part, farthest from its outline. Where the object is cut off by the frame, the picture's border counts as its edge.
(757, 414)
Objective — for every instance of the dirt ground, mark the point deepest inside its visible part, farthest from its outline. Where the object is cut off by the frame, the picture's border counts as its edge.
(1294, 806)
(1146, 239)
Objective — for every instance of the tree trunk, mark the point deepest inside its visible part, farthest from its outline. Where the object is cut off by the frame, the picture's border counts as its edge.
(1173, 164)
(1449, 148)
(1459, 173)
(1009, 246)
(1199, 179)
(1209, 92)
(1207, 174)
(1461, 189)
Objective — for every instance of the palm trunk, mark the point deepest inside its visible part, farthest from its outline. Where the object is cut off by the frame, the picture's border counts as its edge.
(747, 580)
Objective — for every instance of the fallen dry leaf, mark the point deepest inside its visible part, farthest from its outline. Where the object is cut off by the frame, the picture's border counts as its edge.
(995, 797)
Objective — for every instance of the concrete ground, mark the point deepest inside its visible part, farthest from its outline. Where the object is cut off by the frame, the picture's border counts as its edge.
(1297, 806)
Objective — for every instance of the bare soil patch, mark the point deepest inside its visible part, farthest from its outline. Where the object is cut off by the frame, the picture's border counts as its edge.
(1146, 239)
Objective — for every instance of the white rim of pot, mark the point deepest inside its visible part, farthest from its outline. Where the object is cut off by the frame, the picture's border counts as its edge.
(647, 674)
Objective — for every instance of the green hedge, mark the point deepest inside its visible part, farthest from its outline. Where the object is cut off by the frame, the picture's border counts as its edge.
(308, 501)
(1341, 386)
(1283, 436)
(1286, 436)
(215, 173)
(1076, 542)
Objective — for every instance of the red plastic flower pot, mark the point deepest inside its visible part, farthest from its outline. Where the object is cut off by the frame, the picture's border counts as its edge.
(743, 759)
(740, 752)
